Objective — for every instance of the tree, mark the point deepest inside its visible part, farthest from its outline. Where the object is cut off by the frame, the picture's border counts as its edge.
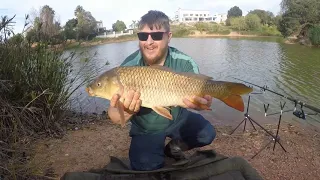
(45, 25)
(297, 14)
(79, 9)
(134, 24)
(6, 29)
(49, 27)
(86, 23)
(119, 26)
(277, 20)
(265, 16)
(253, 22)
(238, 23)
(70, 29)
(16, 39)
(234, 12)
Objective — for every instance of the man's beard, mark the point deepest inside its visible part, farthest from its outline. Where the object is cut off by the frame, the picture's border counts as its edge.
(155, 60)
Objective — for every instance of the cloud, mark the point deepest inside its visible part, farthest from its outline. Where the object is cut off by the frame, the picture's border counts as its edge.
(109, 11)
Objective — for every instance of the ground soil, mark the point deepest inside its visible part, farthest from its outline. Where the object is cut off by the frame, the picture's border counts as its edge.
(89, 145)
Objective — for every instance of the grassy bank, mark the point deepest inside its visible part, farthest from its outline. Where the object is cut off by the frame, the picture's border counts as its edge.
(214, 29)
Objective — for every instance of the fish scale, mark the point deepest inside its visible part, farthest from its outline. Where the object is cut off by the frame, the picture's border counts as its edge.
(161, 87)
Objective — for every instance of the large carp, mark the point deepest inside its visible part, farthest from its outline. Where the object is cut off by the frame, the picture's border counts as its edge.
(162, 88)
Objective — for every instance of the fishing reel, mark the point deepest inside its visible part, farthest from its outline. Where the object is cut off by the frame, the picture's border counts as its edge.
(300, 113)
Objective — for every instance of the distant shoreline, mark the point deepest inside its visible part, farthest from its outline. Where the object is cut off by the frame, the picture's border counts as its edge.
(76, 44)
(231, 34)
(197, 34)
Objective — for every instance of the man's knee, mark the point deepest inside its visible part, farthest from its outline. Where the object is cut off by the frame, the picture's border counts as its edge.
(207, 135)
(197, 131)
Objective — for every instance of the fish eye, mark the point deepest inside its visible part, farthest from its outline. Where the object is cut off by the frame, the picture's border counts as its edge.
(99, 84)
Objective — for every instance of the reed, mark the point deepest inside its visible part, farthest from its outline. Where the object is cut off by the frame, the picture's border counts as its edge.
(36, 88)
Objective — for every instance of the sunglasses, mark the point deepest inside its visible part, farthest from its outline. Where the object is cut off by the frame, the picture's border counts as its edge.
(156, 36)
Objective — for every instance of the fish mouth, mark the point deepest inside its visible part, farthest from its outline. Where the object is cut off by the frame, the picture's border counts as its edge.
(89, 91)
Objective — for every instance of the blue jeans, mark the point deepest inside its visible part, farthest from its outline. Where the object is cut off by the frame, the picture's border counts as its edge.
(147, 151)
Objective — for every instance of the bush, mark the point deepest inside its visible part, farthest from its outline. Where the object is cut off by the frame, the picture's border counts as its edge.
(36, 84)
(269, 31)
(212, 28)
(181, 30)
(253, 22)
(202, 26)
(314, 35)
(238, 23)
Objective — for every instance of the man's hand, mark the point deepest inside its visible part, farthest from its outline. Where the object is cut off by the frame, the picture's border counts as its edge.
(130, 100)
(199, 103)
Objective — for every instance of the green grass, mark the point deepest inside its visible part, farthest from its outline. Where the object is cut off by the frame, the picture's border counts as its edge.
(263, 31)
(181, 30)
(212, 28)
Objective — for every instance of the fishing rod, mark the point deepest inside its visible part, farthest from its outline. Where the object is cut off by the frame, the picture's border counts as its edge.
(302, 104)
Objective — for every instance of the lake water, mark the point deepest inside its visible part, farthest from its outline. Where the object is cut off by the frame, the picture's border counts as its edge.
(292, 70)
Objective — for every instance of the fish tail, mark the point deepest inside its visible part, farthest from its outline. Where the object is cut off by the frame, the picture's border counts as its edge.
(234, 99)
(238, 88)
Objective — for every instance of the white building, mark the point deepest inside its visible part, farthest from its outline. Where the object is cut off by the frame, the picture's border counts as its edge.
(99, 27)
(184, 15)
(220, 18)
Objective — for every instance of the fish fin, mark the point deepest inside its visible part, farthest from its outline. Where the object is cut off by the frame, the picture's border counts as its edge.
(116, 81)
(202, 106)
(162, 111)
(169, 108)
(121, 112)
(234, 101)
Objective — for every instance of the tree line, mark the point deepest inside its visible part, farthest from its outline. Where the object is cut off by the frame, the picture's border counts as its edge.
(301, 18)
(297, 18)
(255, 20)
(43, 25)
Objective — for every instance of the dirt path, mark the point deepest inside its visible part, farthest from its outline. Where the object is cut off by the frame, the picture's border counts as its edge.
(91, 145)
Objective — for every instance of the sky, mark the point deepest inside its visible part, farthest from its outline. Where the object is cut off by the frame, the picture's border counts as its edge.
(109, 11)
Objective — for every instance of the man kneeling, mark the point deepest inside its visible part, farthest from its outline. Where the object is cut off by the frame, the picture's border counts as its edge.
(149, 130)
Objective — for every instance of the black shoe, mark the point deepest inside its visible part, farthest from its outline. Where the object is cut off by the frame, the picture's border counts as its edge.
(174, 149)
